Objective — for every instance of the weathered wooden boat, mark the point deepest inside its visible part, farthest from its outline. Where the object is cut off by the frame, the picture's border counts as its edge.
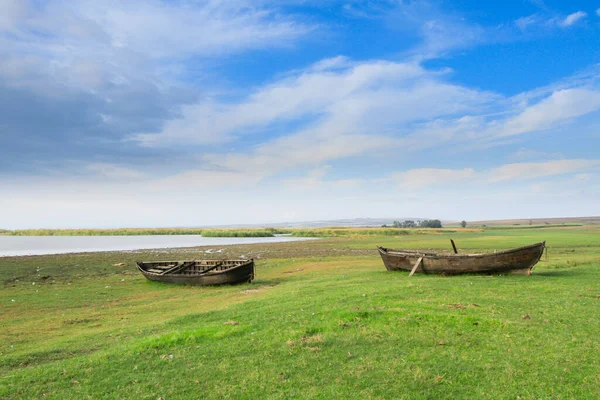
(516, 261)
(199, 272)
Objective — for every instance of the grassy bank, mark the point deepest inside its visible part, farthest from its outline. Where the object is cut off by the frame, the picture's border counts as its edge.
(146, 231)
(504, 227)
(257, 232)
(238, 233)
(322, 320)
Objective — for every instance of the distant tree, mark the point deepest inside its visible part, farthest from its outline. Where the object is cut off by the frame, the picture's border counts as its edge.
(430, 223)
(384, 226)
(397, 224)
(463, 224)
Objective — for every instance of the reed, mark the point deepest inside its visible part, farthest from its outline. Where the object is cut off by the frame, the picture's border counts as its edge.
(237, 233)
(104, 232)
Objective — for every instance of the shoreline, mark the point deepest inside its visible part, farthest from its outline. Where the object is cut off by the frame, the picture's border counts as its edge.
(163, 249)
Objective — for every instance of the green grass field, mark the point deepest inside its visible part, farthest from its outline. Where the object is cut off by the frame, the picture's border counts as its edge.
(323, 319)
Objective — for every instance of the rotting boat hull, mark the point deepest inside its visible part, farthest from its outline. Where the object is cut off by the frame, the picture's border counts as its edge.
(517, 261)
(221, 272)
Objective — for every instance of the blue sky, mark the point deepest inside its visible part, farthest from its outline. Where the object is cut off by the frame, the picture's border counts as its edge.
(182, 112)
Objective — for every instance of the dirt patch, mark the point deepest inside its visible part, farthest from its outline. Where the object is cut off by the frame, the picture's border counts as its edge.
(257, 251)
(588, 296)
(79, 321)
(313, 339)
(294, 271)
(258, 289)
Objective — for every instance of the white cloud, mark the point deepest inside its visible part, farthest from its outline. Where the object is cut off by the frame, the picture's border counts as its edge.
(155, 28)
(354, 109)
(545, 21)
(515, 117)
(315, 179)
(530, 154)
(523, 171)
(332, 63)
(113, 172)
(12, 11)
(300, 150)
(573, 18)
(560, 106)
(583, 177)
(81, 45)
(313, 92)
(349, 109)
(208, 180)
(524, 23)
(421, 177)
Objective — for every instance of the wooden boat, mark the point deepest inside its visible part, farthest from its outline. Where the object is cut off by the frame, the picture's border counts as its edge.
(199, 272)
(517, 261)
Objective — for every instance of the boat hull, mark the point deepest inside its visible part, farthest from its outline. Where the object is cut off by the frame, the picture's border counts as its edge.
(516, 261)
(231, 272)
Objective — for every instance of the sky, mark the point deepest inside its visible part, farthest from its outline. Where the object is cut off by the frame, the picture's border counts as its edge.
(202, 112)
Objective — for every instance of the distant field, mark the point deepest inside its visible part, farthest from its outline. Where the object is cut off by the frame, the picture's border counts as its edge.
(538, 221)
(323, 319)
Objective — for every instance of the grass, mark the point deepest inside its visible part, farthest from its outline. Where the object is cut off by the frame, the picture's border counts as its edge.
(323, 320)
(504, 227)
(361, 232)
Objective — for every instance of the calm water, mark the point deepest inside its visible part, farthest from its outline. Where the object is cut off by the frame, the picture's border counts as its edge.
(35, 245)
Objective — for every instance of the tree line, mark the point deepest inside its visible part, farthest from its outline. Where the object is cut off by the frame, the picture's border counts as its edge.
(426, 223)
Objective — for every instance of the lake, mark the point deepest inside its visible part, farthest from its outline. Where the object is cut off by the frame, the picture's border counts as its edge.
(37, 245)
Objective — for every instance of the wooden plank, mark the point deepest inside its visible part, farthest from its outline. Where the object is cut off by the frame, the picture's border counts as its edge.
(454, 246)
(178, 268)
(211, 268)
(155, 271)
(416, 266)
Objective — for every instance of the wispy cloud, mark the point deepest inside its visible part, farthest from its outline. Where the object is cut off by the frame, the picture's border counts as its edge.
(114, 172)
(548, 21)
(525, 22)
(423, 177)
(342, 109)
(560, 106)
(152, 28)
(341, 98)
(531, 154)
(573, 18)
